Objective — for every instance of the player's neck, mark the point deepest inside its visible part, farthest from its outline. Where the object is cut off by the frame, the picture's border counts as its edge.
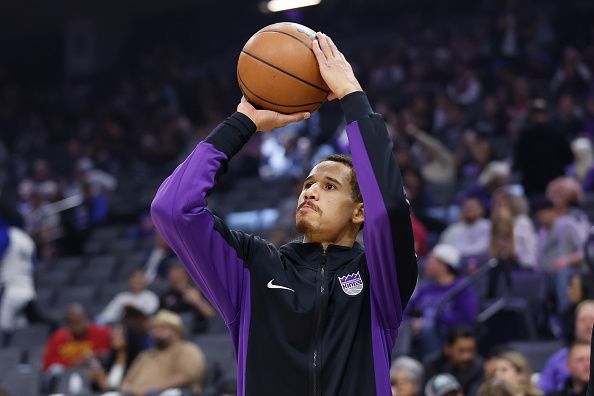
(347, 241)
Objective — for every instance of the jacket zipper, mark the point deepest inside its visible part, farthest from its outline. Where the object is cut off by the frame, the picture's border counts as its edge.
(316, 359)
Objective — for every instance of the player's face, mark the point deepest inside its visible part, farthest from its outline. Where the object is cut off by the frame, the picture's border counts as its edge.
(326, 210)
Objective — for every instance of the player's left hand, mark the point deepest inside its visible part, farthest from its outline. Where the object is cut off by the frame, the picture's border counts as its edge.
(334, 68)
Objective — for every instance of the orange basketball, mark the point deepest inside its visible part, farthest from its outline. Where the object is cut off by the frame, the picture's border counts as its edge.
(278, 70)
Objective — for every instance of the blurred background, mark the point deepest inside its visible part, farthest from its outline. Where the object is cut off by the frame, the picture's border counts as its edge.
(490, 105)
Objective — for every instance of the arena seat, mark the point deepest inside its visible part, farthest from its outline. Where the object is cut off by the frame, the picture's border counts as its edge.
(32, 335)
(537, 352)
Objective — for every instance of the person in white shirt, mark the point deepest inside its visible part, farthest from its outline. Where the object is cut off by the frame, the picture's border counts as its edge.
(471, 235)
(137, 296)
(17, 252)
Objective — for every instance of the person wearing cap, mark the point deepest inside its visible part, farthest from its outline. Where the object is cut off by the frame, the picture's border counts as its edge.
(443, 385)
(406, 377)
(471, 235)
(171, 363)
(542, 153)
(442, 271)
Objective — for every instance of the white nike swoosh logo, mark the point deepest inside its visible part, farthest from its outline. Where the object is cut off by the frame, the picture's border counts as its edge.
(270, 285)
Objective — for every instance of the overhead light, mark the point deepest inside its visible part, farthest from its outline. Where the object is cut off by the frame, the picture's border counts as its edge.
(283, 5)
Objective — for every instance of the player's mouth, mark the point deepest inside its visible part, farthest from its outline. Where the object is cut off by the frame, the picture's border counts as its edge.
(308, 207)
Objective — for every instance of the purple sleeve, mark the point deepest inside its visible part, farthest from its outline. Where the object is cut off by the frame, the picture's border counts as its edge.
(555, 372)
(212, 254)
(387, 232)
(465, 309)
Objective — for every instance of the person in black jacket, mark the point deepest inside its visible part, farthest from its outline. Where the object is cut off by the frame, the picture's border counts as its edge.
(542, 152)
(317, 316)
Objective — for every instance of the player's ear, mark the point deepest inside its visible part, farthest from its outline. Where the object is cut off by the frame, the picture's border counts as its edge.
(358, 214)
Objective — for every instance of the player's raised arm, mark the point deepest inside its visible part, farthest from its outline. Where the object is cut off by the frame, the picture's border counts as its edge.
(214, 256)
(387, 231)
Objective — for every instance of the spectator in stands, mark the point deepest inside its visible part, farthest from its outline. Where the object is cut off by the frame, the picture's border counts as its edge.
(100, 182)
(75, 345)
(573, 76)
(471, 234)
(171, 364)
(567, 118)
(82, 219)
(17, 255)
(429, 326)
(559, 244)
(406, 377)
(137, 296)
(126, 345)
(159, 260)
(582, 168)
(490, 363)
(492, 178)
(555, 373)
(443, 385)
(588, 125)
(182, 297)
(513, 369)
(503, 248)
(459, 358)
(542, 153)
(438, 164)
(474, 154)
(580, 288)
(524, 235)
(578, 365)
(567, 196)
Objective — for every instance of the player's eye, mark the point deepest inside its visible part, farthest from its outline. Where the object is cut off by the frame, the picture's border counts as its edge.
(330, 186)
(307, 185)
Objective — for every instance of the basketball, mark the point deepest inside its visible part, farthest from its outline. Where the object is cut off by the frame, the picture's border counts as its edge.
(278, 70)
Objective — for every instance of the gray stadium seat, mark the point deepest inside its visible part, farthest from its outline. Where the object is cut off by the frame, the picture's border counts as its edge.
(216, 325)
(54, 279)
(34, 356)
(29, 336)
(9, 358)
(107, 233)
(21, 381)
(94, 247)
(69, 264)
(46, 296)
(537, 352)
(108, 291)
(104, 260)
(94, 276)
(120, 245)
(84, 295)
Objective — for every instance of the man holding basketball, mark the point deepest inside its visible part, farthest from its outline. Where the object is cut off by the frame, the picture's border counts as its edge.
(317, 317)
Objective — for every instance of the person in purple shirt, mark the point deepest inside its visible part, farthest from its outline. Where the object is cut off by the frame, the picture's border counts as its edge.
(555, 373)
(442, 271)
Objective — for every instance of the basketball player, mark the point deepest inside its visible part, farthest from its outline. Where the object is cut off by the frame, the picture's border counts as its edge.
(318, 316)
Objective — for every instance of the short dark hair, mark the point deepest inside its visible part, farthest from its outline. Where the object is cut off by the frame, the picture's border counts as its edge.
(457, 332)
(348, 161)
(576, 343)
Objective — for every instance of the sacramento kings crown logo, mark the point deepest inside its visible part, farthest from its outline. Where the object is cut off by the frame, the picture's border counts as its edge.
(351, 284)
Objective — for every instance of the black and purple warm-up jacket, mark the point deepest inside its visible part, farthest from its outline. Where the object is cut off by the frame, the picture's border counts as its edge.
(303, 321)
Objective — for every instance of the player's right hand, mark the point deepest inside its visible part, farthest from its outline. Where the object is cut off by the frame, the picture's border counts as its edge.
(267, 120)
(334, 68)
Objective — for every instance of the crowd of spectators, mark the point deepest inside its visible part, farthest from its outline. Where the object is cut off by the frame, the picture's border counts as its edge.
(492, 119)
